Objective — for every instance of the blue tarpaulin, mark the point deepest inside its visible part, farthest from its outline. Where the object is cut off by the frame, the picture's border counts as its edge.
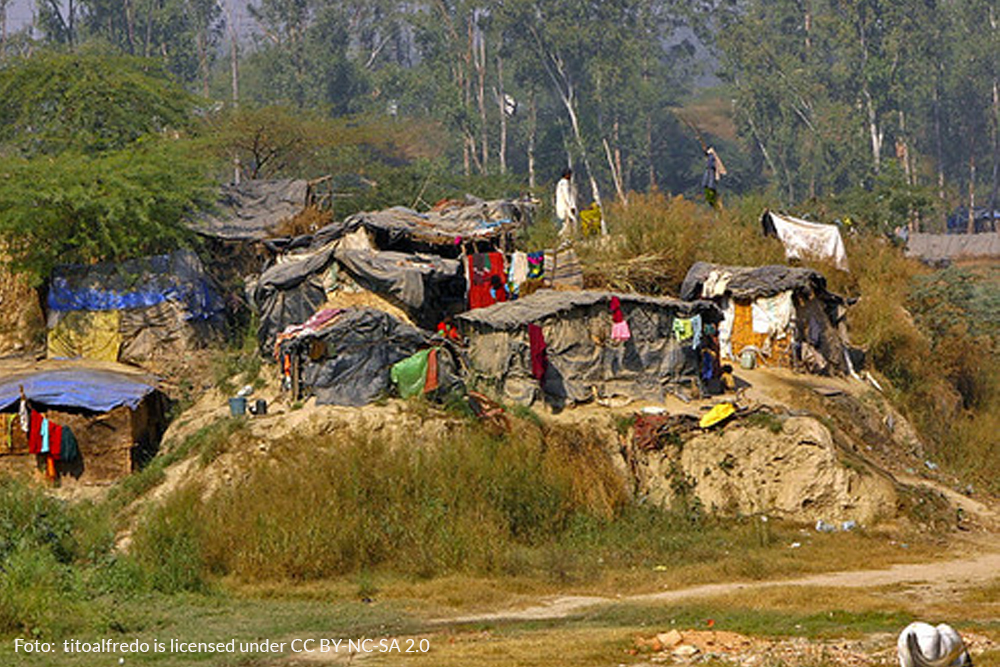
(138, 283)
(87, 389)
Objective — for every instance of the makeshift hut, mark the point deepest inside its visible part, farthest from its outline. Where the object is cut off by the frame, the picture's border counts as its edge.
(147, 311)
(803, 239)
(237, 228)
(418, 288)
(783, 316)
(352, 357)
(571, 347)
(116, 418)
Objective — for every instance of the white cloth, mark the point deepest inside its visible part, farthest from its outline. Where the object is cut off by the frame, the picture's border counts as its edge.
(771, 315)
(518, 268)
(716, 284)
(726, 328)
(566, 204)
(810, 239)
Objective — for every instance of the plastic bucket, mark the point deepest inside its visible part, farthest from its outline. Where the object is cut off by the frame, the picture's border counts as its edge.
(748, 359)
(238, 406)
(260, 407)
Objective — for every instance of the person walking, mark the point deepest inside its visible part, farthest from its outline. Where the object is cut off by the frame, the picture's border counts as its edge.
(566, 210)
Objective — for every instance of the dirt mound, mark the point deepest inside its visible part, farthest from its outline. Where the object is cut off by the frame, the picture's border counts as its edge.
(796, 473)
(22, 325)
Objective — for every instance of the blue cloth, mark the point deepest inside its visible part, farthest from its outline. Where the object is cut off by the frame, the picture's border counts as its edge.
(94, 390)
(45, 436)
(138, 283)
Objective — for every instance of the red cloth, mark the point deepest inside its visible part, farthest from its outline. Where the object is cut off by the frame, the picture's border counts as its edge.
(616, 310)
(35, 433)
(55, 440)
(482, 268)
(539, 357)
(431, 380)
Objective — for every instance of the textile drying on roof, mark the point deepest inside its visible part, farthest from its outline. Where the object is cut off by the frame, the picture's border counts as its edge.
(86, 389)
(561, 347)
(802, 238)
(953, 246)
(251, 210)
(706, 281)
(472, 220)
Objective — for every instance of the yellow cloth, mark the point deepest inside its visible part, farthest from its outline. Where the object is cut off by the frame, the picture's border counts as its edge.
(717, 414)
(88, 334)
(590, 220)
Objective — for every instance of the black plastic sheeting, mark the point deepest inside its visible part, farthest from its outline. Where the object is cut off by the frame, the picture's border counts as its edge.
(750, 283)
(349, 361)
(289, 293)
(251, 210)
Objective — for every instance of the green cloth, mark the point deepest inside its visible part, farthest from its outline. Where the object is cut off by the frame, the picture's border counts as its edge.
(683, 329)
(69, 450)
(410, 374)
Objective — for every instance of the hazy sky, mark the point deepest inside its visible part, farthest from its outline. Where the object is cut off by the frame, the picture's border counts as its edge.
(19, 14)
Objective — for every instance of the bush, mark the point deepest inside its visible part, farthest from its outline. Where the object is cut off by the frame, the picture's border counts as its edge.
(167, 545)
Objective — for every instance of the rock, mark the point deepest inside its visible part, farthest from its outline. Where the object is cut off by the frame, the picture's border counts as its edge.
(670, 639)
(685, 651)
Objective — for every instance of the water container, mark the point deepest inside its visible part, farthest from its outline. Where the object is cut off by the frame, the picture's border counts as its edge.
(748, 359)
(238, 406)
(260, 407)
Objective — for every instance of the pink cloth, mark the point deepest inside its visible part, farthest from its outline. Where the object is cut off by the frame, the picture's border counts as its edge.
(620, 331)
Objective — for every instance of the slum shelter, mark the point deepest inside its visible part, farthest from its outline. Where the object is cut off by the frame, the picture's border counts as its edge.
(354, 356)
(780, 316)
(409, 264)
(938, 248)
(148, 311)
(568, 347)
(86, 424)
(413, 287)
(236, 228)
(803, 239)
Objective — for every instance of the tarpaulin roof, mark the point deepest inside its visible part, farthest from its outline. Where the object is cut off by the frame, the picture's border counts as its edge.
(706, 280)
(251, 210)
(471, 220)
(543, 303)
(86, 389)
(361, 345)
(953, 246)
(136, 283)
(411, 279)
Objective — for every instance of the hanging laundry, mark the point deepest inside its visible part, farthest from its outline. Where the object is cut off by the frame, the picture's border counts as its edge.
(483, 268)
(683, 329)
(44, 430)
(619, 327)
(70, 449)
(22, 413)
(539, 356)
(518, 269)
(55, 440)
(431, 383)
(536, 264)
(35, 433)
(771, 315)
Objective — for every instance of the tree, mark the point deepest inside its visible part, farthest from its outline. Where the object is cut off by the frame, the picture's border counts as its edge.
(53, 102)
(96, 166)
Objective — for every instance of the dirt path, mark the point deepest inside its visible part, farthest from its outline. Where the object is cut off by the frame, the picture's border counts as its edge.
(944, 576)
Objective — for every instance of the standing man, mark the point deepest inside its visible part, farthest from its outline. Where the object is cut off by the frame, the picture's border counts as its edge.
(714, 170)
(566, 210)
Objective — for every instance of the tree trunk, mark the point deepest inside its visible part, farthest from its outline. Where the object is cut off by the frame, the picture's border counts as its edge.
(479, 62)
(234, 61)
(972, 192)
(532, 131)
(501, 95)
